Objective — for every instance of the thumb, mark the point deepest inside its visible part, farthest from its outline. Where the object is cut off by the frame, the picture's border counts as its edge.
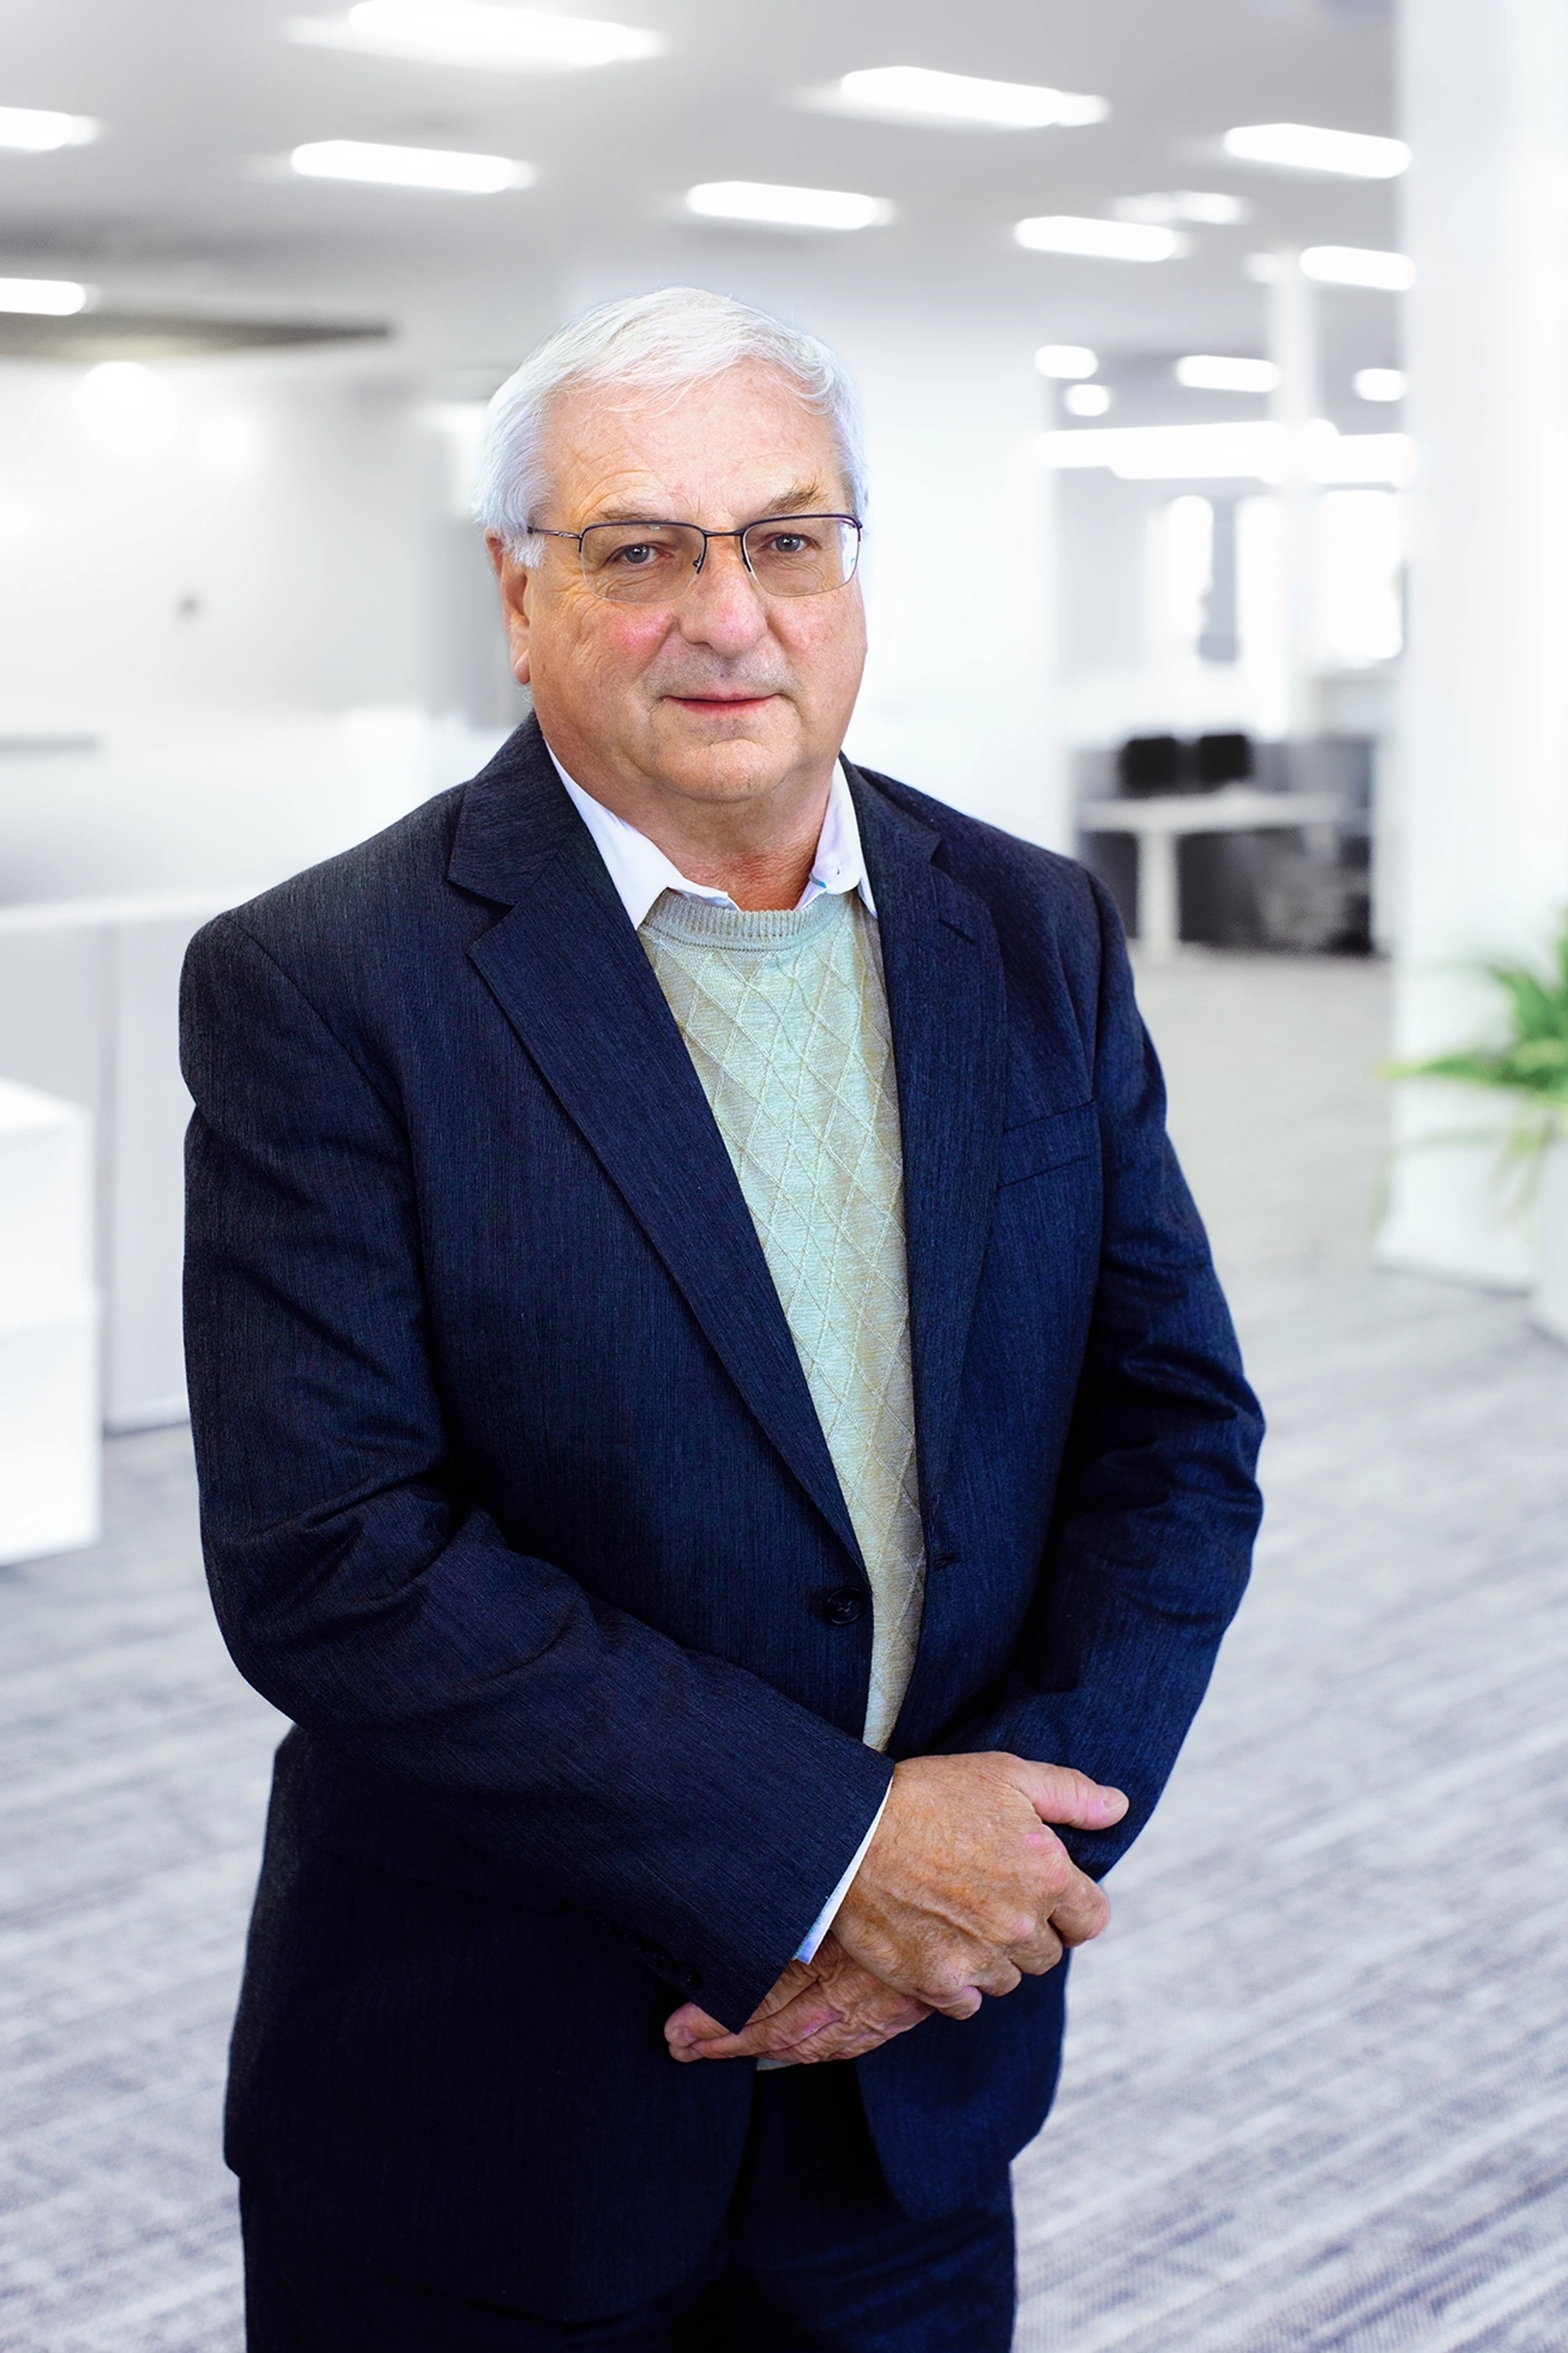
(688, 2024)
(1060, 1794)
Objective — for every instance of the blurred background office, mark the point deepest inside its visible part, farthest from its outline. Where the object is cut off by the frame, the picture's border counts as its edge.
(1215, 356)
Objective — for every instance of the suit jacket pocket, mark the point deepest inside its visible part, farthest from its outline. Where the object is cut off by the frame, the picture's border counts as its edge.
(1038, 1145)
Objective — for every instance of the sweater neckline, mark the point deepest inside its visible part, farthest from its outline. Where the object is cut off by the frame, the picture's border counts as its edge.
(708, 924)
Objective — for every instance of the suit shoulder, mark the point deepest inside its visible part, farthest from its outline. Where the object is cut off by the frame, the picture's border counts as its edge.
(378, 884)
(1010, 873)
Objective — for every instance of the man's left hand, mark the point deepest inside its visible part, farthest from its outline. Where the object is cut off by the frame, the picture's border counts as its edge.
(828, 2008)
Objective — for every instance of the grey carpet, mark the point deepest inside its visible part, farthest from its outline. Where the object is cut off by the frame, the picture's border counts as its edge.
(1316, 2095)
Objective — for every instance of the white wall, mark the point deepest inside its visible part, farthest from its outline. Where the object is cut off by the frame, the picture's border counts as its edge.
(237, 535)
(960, 694)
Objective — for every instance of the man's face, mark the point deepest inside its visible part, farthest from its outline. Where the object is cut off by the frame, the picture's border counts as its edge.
(727, 695)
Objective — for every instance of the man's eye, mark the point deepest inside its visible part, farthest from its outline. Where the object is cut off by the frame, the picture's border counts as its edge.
(788, 543)
(639, 556)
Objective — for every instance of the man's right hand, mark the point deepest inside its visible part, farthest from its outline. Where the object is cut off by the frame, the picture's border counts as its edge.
(965, 1889)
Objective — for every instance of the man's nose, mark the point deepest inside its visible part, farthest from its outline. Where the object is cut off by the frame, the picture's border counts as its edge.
(723, 607)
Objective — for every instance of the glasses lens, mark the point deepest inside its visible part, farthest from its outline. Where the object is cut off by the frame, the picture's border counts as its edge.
(802, 555)
(640, 563)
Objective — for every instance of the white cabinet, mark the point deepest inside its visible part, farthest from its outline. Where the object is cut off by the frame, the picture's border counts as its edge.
(49, 1413)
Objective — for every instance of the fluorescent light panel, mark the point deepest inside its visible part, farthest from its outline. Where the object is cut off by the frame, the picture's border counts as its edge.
(1207, 209)
(919, 94)
(1067, 361)
(1357, 265)
(1207, 372)
(777, 207)
(1302, 147)
(1098, 240)
(1194, 453)
(44, 297)
(1087, 400)
(474, 33)
(410, 167)
(1379, 384)
(36, 130)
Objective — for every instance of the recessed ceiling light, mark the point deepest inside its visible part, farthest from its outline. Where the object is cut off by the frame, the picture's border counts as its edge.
(410, 167)
(1379, 384)
(475, 33)
(1209, 209)
(1301, 147)
(917, 94)
(776, 207)
(1087, 400)
(1357, 265)
(1207, 372)
(1065, 361)
(1098, 240)
(36, 129)
(44, 297)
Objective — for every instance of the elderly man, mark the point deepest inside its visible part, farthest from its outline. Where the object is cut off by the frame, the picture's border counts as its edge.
(717, 1423)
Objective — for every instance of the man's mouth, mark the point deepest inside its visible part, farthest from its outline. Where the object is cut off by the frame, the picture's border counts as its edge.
(721, 702)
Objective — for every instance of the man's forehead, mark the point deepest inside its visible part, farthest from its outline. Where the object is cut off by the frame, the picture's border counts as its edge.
(746, 447)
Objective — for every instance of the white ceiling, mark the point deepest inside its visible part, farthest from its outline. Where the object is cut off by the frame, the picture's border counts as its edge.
(185, 201)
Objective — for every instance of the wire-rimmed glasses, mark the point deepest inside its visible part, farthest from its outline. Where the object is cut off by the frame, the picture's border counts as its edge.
(653, 563)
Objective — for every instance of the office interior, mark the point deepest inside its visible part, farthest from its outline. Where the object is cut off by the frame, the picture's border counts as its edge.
(1215, 360)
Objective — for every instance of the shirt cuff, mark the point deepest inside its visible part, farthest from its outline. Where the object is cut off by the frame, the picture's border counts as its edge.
(825, 1918)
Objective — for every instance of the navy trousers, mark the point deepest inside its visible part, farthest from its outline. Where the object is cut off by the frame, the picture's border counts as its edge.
(814, 2257)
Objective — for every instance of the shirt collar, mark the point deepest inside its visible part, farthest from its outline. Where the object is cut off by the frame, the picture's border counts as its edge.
(641, 872)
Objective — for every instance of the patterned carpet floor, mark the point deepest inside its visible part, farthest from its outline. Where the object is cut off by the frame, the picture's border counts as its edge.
(1317, 2091)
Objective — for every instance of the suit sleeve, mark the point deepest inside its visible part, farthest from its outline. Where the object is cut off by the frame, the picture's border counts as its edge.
(701, 1812)
(1157, 1508)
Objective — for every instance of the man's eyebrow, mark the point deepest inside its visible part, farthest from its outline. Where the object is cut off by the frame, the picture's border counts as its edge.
(801, 497)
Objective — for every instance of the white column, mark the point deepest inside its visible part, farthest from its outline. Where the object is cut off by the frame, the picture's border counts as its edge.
(1484, 790)
(1293, 346)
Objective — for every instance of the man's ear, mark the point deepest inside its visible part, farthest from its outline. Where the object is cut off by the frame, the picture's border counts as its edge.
(513, 581)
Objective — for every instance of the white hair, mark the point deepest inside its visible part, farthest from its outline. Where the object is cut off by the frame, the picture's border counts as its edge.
(664, 342)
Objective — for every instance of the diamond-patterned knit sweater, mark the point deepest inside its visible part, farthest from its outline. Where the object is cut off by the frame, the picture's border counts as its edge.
(785, 1018)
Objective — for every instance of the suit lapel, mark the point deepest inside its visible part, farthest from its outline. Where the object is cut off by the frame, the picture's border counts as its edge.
(947, 1006)
(573, 978)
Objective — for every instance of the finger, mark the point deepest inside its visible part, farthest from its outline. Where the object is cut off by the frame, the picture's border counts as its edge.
(847, 2042)
(1040, 1955)
(1060, 1794)
(865, 2025)
(1081, 1914)
(770, 2038)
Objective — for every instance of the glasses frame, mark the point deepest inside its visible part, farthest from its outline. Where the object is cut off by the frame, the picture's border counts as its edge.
(668, 522)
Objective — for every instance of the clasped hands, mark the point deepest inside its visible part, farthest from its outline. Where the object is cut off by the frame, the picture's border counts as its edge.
(964, 1890)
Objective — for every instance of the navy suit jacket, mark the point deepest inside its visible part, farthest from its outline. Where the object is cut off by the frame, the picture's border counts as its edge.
(514, 1501)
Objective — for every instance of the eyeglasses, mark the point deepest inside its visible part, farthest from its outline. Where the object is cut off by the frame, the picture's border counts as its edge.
(655, 563)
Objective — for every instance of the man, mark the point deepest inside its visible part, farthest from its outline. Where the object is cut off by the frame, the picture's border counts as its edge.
(716, 1422)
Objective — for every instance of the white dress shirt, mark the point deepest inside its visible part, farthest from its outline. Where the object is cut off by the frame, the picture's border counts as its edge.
(640, 870)
(641, 873)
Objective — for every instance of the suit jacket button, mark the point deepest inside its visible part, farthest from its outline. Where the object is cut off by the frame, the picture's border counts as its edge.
(844, 1605)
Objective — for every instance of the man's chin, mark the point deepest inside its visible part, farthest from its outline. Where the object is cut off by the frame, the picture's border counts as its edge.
(734, 768)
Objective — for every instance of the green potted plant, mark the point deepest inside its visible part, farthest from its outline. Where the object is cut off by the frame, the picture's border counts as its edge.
(1531, 1065)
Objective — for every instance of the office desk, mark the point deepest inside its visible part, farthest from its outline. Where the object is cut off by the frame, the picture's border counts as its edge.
(1158, 823)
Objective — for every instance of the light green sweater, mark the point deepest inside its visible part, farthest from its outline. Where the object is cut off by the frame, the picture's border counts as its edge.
(785, 1018)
